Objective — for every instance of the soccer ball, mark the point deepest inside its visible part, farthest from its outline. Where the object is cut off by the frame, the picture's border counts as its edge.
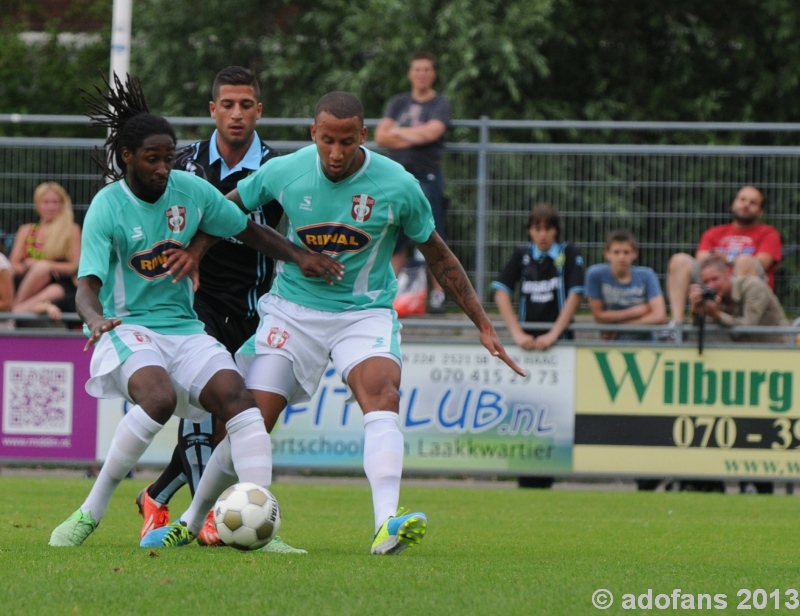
(247, 516)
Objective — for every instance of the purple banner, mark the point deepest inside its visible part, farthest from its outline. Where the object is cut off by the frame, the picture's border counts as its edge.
(46, 412)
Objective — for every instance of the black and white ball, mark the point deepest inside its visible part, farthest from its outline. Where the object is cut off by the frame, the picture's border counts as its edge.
(247, 516)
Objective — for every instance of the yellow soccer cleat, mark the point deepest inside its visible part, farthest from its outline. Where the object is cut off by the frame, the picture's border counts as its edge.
(400, 532)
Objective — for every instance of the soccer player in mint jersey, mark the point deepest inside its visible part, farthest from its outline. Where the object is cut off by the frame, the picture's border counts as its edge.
(150, 347)
(341, 199)
(232, 278)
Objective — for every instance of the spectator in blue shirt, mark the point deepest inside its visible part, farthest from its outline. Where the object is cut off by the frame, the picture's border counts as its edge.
(622, 293)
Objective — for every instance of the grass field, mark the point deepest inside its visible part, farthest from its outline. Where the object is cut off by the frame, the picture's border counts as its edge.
(488, 551)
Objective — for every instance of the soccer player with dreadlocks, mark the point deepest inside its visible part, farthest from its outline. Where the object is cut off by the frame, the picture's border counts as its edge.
(150, 347)
(232, 278)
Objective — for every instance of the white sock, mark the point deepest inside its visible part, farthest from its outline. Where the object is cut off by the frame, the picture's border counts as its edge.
(383, 462)
(133, 436)
(251, 447)
(217, 476)
(245, 454)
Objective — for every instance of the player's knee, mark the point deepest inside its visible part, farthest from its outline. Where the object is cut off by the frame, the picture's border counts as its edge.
(225, 403)
(160, 405)
(385, 399)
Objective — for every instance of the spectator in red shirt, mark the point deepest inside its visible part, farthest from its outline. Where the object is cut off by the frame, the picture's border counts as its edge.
(749, 247)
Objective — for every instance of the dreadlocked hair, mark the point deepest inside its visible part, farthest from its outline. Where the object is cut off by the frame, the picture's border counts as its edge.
(125, 113)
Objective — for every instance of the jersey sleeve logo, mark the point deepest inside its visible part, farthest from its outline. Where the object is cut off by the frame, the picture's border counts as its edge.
(333, 238)
(176, 218)
(149, 263)
(362, 207)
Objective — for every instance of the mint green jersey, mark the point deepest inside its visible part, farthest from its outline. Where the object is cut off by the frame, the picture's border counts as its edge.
(355, 220)
(123, 244)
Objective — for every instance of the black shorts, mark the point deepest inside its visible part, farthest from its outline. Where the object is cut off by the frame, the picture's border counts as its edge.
(232, 331)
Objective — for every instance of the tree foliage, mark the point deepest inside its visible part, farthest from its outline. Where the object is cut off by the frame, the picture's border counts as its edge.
(488, 53)
(717, 60)
(45, 77)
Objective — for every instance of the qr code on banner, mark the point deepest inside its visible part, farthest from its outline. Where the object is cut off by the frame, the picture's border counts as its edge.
(37, 397)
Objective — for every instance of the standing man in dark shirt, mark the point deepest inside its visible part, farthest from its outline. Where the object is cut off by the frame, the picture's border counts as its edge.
(413, 131)
(232, 278)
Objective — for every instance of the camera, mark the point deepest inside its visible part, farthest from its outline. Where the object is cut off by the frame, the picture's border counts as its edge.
(708, 294)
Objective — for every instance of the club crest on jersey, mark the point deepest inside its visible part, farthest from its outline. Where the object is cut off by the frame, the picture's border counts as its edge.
(333, 238)
(176, 218)
(362, 207)
(149, 263)
(277, 337)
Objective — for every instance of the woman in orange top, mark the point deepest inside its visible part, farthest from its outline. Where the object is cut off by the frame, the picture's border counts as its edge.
(45, 254)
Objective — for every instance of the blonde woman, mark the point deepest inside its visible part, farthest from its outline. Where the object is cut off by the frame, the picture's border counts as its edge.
(45, 254)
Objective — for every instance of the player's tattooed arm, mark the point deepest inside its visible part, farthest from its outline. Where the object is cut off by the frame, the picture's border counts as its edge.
(89, 308)
(446, 268)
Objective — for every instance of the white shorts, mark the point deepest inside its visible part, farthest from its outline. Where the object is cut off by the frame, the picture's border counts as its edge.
(190, 361)
(310, 338)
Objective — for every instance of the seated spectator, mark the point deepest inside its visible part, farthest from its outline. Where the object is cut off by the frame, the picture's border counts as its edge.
(748, 248)
(45, 254)
(621, 293)
(54, 310)
(739, 301)
(550, 278)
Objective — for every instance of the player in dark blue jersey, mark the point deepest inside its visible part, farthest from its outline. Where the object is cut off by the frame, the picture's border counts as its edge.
(232, 278)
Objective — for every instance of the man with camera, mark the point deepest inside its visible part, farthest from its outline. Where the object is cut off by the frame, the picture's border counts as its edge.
(730, 301)
(748, 247)
(736, 301)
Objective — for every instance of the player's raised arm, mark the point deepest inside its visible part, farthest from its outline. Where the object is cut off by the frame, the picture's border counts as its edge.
(451, 275)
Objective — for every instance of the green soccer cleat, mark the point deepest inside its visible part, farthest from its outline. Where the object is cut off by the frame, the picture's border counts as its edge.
(279, 546)
(400, 532)
(74, 531)
(170, 536)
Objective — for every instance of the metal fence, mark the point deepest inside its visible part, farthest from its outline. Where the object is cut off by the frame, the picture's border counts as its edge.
(666, 194)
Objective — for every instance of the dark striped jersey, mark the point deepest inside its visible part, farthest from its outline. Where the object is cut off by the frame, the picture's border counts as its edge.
(232, 275)
(545, 279)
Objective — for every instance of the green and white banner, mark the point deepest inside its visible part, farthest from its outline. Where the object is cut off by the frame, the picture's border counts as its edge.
(460, 410)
